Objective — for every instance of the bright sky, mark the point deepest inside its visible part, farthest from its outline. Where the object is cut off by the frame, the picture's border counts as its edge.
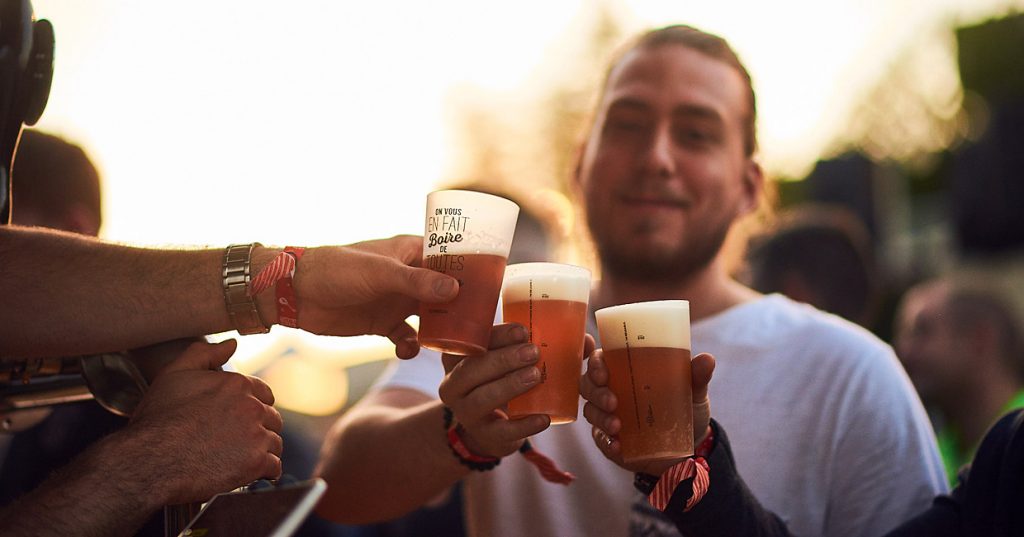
(231, 121)
(318, 121)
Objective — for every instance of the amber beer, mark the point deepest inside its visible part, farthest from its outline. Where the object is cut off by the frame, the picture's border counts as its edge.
(463, 326)
(647, 351)
(467, 236)
(550, 300)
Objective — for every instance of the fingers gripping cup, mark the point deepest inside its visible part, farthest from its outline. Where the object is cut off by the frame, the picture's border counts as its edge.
(550, 300)
(647, 352)
(468, 235)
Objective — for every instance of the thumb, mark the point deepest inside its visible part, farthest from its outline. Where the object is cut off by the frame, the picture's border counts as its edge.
(420, 284)
(203, 356)
(701, 369)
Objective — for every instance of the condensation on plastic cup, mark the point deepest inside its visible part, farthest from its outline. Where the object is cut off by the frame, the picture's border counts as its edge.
(550, 300)
(647, 351)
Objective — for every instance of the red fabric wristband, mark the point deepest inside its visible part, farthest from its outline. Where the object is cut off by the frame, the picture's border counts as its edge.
(287, 305)
(695, 467)
(280, 271)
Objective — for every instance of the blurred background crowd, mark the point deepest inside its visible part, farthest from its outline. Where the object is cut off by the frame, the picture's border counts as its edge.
(893, 133)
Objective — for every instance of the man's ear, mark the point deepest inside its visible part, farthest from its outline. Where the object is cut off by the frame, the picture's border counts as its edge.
(753, 186)
(578, 168)
(81, 220)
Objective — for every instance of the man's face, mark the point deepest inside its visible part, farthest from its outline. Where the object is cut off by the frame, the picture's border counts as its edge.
(664, 173)
(932, 350)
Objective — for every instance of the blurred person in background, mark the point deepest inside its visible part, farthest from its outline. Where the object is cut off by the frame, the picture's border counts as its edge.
(820, 255)
(962, 346)
(813, 401)
(58, 185)
(58, 188)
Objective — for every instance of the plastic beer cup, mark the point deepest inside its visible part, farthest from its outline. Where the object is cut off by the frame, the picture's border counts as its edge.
(467, 236)
(647, 351)
(550, 300)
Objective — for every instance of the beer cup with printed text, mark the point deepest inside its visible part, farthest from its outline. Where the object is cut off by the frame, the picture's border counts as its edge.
(467, 236)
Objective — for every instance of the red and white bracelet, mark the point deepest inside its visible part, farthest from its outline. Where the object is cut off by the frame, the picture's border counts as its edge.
(659, 490)
(280, 273)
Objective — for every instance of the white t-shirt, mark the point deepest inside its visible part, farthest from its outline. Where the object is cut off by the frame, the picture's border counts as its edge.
(825, 427)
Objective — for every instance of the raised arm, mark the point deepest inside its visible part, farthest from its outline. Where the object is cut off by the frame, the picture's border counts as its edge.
(66, 294)
(389, 454)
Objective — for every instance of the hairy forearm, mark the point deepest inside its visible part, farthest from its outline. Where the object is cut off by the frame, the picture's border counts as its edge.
(65, 294)
(381, 463)
(109, 490)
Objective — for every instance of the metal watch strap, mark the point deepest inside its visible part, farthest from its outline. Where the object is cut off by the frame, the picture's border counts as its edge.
(241, 307)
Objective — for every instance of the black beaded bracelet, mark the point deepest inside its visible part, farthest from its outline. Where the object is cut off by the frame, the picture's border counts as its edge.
(459, 449)
(645, 483)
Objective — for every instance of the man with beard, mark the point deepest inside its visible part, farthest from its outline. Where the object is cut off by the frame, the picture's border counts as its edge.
(826, 427)
(961, 344)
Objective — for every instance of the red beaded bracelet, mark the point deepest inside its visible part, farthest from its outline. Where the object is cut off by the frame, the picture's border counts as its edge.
(462, 453)
(547, 467)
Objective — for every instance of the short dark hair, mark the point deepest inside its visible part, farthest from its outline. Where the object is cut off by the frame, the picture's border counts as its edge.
(51, 174)
(828, 249)
(710, 45)
(967, 306)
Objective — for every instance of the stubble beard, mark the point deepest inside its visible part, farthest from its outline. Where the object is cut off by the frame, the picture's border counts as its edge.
(658, 265)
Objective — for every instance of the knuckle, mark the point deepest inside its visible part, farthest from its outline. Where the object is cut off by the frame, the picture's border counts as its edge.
(275, 466)
(254, 466)
(236, 382)
(276, 444)
(516, 356)
(248, 412)
(585, 387)
(523, 379)
(276, 420)
(256, 436)
(446, 393)
(588, 413)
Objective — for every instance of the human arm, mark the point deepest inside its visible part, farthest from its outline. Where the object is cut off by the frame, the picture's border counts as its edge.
(197, 432)
(67, 294)
(389, 454)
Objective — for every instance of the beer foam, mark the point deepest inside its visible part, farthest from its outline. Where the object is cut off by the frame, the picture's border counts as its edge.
(546, 281)
(662, 323)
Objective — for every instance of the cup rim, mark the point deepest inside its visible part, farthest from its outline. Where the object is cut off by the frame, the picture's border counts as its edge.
(561, 268)
(496, 199)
